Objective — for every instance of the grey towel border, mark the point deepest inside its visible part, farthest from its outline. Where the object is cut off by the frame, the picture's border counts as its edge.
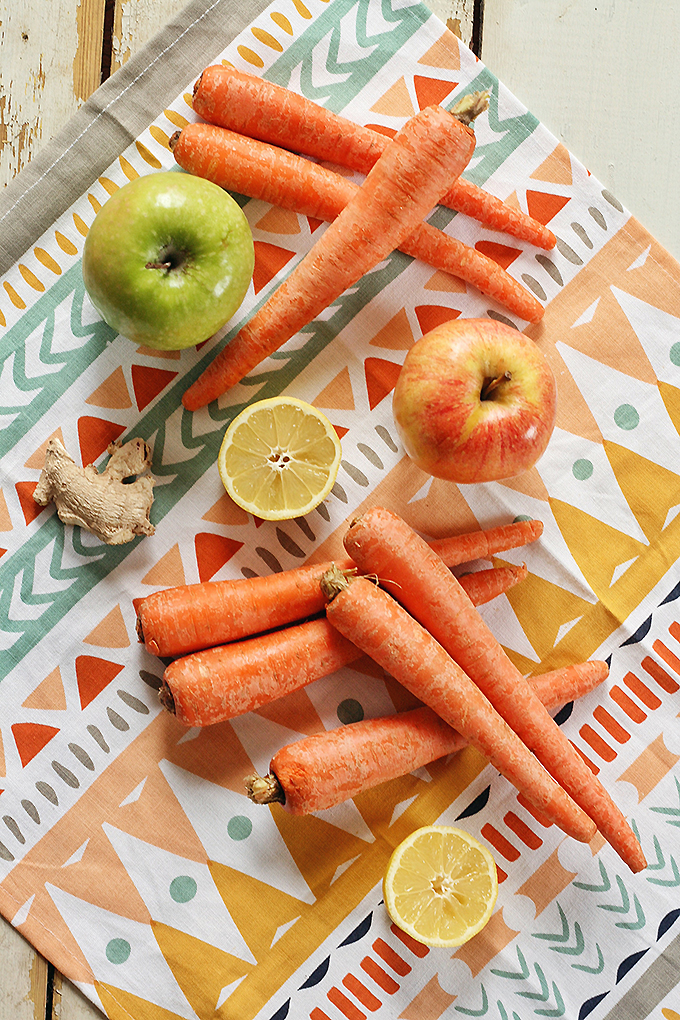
(113, 117)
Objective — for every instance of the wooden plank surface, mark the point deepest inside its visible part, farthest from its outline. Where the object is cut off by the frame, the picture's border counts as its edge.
(601, 77)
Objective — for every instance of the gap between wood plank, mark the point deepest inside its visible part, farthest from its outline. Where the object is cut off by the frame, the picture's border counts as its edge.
(107, 39)
(477, 27)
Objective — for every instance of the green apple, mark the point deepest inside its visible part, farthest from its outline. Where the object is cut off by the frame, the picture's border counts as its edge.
(168, 260)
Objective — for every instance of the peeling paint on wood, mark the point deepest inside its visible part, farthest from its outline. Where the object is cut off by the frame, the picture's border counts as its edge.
(137, 21)
(87, 61)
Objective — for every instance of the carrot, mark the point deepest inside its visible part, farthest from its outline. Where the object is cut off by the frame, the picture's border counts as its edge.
(381, 543)
(259, 170)
(407, 180)
(327, 768)
(252, 106)
(218, 683)
(371, 619)
(189, 617)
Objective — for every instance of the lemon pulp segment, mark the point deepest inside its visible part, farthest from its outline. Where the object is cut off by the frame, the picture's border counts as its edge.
(279, 458)
(441, 886)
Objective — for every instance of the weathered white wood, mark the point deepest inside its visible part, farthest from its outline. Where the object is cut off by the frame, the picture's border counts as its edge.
(602, 76)
(23, 978)
(69, 1003)
(456, 15)
(50, 64)
(135, 22)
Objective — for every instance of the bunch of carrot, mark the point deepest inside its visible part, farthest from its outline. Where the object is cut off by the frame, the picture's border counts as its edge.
(243, 147)
(244, 643)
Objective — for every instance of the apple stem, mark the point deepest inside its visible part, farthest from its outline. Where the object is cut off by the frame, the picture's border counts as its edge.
(159, 265)
(491, 385)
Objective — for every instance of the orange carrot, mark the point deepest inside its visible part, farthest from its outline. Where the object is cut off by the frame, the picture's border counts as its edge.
(407, 180)
(259, 170)
(327, 768)
(252, 106)
(381, 543)
(189, 617)
(371, 619)
(218, 683)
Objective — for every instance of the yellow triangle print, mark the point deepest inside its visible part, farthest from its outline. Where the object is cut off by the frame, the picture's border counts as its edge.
(597, 548)
(556, 168)
(113, 392)
(49, 694)
(650, 490)
(226, 512)
(444, 53)
(120, 1005)
(5, 519)
(279, 221)
(671, 398)
(445, 283)
(317, 847)
(337, 395)
(257, 924)
(111, 632)
(543, 609)
(168, 571)
(200, 970)
(37, 458)
(397, 335)
(396, 102)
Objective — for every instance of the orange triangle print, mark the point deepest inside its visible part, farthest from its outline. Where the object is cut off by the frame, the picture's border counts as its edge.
(341, 430)
(397, 335)
(5, 519)
(30, 738)
(431, 316)
(279, 221)
(446, 283)
(226, 512)
(149, 382)
(503, 254)
(337, 395)
(432, 91)
(396, 102)
(212, 552)
(443, 53)
(93, 675)
(543, 206)
(30, 508)
(37, 458)
(168, 571)
(113, 392)
(49, 694)
(381, 378)
(269, 260)
(94, 436)
(382, 130)
(2, 758)
(111, 632)
(556, 168)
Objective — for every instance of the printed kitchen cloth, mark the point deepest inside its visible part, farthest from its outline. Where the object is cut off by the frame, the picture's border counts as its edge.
(129, 853)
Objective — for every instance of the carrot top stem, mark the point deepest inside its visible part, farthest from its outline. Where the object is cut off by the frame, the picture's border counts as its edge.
(264, 789)
(335, 580)
(471, 106)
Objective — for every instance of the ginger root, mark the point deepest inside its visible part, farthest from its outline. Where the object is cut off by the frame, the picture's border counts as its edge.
(104, 503)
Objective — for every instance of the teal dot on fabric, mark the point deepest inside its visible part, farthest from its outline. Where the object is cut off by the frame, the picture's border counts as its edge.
(582, 469)
(675, 354)
(521, 517)
(239, 827)
(118, 950)
(183, 888)
(626, 417)
(350, 710)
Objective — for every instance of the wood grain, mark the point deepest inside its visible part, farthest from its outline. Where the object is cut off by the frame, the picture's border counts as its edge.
(601, 78)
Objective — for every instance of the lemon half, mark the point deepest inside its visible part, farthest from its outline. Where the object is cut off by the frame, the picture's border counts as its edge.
(440, 886)
(279, 458)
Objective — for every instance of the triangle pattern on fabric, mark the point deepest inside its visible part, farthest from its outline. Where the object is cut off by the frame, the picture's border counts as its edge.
(94, 436)
(49, 694)
(555, 168)
(148, 382)
(445, 52)
(270, 259)
(396, 102)
(111, 632)
(396, 335)
(212, 552)
(381, 378)
(432, 91)
(226, 512)
(31, 737)
(37, 458)
(112, 393)
(93, 675)
(338, 394)
(168, 571)
(431, 316)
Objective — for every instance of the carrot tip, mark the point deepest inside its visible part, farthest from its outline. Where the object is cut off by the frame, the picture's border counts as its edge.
(166, 698)
(173, 140)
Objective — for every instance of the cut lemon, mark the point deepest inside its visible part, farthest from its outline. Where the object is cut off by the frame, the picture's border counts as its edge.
(440, 886)
(279, 458)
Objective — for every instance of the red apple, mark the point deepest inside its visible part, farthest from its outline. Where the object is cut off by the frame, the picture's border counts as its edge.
(475, 401)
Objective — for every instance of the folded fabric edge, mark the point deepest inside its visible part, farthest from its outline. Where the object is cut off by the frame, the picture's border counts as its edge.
(107, 122)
